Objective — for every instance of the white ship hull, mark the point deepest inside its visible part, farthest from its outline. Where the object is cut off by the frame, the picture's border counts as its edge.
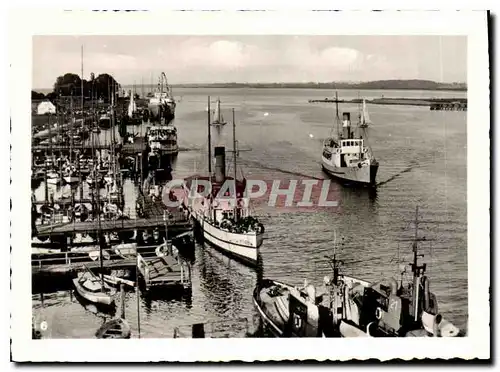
(366, 174)
(242, 246)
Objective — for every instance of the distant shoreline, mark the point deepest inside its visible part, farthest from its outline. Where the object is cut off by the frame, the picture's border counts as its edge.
(313, 87)
(409, 85)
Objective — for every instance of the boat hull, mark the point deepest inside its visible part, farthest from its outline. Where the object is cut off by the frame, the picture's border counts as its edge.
(95, 297)
(366, 174)
(244, 247)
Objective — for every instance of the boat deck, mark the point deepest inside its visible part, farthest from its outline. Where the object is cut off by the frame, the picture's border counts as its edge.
(161, 271)
(139, 146)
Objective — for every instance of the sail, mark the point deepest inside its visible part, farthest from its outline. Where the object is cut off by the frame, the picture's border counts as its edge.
(365, 119)
(131, 107)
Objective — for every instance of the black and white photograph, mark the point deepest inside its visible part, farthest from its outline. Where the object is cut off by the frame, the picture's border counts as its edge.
(240, 183)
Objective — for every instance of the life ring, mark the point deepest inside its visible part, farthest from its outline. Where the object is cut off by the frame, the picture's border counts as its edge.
(378, 313)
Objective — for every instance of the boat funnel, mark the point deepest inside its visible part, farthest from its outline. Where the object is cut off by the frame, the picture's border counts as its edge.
(220, 164)
(346, 124)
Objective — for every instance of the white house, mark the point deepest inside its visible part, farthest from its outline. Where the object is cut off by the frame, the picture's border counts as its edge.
(46, 107)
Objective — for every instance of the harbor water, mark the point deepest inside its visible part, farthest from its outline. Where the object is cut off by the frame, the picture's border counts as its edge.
(423, 162)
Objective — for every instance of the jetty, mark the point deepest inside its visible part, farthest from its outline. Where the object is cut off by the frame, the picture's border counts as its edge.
(447, 104)
(177, 223)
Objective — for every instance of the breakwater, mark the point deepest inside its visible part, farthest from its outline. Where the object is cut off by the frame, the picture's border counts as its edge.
(447, 104)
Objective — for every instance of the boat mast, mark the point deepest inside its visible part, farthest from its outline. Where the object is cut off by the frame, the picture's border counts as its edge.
(234, 166)
(417, 270)
(337, 112)
(209, 142)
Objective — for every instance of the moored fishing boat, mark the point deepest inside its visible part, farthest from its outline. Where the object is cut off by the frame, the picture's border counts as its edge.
(348, 156)
(224, 215)
(351, 307)
(162, 105)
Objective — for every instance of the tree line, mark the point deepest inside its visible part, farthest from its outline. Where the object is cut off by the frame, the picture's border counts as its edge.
(69, 84)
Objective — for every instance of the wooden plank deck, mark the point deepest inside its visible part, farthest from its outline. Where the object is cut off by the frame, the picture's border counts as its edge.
(177, 223)
(161, 271)
(77, 266)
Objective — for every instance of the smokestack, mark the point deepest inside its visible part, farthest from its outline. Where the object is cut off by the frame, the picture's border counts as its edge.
(220, 164)
(346, 124)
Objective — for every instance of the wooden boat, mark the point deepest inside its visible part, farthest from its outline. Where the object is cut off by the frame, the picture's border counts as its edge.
(351, 307)
(115, 328)
(91, 288)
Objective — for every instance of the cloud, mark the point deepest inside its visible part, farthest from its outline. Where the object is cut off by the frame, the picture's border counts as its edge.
(239, 58)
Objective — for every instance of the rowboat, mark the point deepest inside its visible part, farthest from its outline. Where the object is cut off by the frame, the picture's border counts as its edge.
(115, 328)
(92, 289)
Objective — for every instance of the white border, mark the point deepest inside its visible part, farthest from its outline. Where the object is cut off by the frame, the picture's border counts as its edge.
(23, 24)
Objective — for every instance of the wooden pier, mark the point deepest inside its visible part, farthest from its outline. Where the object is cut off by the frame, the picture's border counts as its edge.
(72, 265)
(176, 223)
(163, 271)
(447, 104)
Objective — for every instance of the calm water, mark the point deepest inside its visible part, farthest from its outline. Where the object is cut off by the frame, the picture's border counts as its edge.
(422, 157)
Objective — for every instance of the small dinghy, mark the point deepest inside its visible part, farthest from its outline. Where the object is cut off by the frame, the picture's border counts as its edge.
(115, 328)
(96, 255)
(92, 289)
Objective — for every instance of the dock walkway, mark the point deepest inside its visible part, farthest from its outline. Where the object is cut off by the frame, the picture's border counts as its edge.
(176, 223)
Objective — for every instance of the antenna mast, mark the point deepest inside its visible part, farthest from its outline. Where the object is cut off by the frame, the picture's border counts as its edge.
(337, 112)
(234, 163)
(209, 142)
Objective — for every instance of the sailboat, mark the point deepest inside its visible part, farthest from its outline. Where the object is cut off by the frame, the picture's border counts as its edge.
(218, 119)
(364, 117)
(224, 215)
(348, 156)
(132, 114)
(352, 307)
(87, 284)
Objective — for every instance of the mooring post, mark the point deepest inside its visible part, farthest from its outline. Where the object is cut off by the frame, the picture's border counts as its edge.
(198, 330)
(122, 293)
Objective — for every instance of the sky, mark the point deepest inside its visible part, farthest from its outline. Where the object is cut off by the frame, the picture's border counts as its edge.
(252, 59)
